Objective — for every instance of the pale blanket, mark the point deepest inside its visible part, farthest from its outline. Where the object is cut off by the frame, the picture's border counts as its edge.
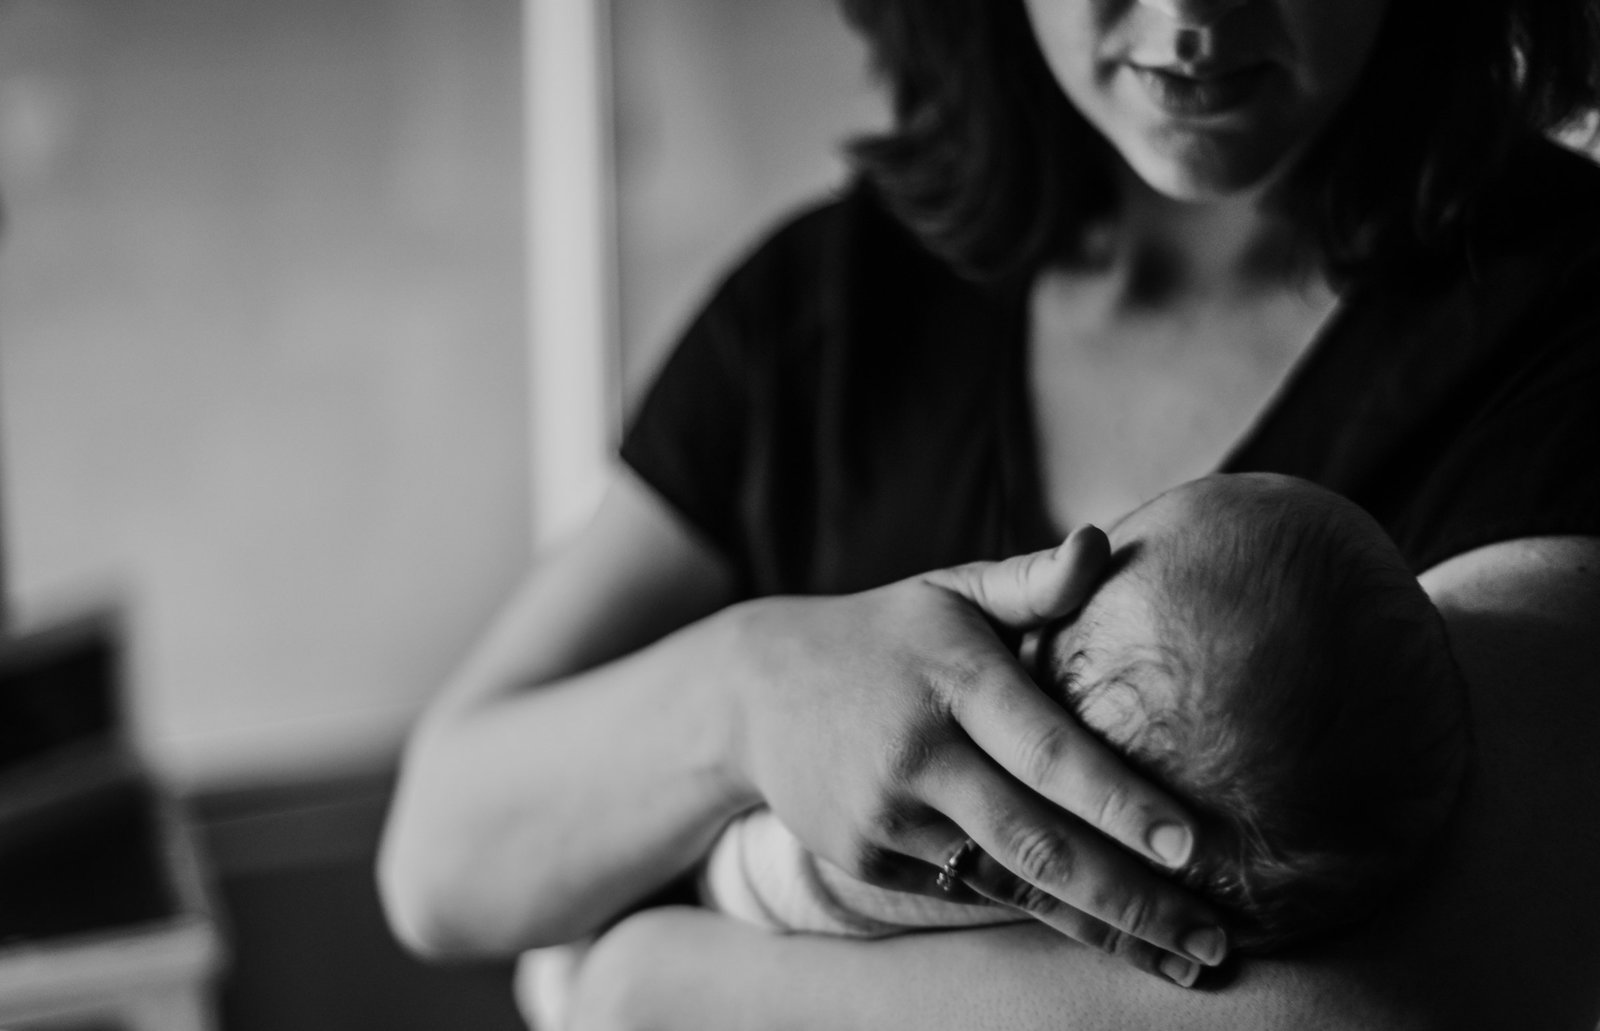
(758, 872)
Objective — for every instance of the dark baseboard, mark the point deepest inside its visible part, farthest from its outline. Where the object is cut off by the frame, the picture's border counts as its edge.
(309, 948)
(293, 824)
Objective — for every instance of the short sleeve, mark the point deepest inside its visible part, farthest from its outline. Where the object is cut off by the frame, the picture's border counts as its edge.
(831, 420)
(686, 437)
(724, 432)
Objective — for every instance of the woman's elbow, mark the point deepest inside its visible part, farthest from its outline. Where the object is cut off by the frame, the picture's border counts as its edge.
(415, 902)
(423, 869)
(425, 889)
(443, 906)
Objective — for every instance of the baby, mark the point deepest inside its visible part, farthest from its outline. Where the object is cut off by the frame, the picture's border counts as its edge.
(1263, 652)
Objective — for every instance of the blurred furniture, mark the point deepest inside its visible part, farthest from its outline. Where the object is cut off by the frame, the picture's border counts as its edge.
(308, 946)
(104, 918)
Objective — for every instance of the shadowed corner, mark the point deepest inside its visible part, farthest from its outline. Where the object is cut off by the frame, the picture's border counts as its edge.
(124, 906)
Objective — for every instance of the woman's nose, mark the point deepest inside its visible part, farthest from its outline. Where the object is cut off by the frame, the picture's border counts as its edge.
(1194, 13)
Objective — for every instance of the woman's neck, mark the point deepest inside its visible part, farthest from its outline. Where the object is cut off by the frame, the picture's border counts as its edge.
(1165, 251)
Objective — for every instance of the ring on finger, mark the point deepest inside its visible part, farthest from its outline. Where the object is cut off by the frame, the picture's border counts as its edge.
(950, 873)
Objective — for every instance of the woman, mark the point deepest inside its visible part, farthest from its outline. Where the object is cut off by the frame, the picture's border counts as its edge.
(1108, 246)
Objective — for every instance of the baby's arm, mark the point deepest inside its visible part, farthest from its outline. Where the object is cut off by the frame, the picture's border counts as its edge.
(759, 872)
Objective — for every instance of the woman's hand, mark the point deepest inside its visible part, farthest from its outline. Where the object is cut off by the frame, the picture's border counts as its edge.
(1496, 934)
(885, 728)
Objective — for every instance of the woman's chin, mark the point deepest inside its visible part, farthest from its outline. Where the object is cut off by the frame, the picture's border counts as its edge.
(1198, 174)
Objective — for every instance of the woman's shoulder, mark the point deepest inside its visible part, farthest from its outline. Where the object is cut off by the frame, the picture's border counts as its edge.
(1527, 271)
(815, 235)
(841, 282)
(1459, 409)
(1532, 283)
(1545, 207)
(837, 256)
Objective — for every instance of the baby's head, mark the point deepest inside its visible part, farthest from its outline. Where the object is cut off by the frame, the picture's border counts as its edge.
(1262, 649)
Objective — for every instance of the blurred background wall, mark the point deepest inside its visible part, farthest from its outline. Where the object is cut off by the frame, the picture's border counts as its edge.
(265, 368)
(729, 114)
(262, 318)
(262, 328)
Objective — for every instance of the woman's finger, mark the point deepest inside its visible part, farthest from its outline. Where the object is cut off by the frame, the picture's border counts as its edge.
(1040, 744)
(1037, 859)
(1027, 591)
(988, 879)
(976, 878)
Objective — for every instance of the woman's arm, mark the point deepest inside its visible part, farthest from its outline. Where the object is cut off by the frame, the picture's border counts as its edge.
(690, 970)
(1501, 936)
(583, 760)
(527, 817)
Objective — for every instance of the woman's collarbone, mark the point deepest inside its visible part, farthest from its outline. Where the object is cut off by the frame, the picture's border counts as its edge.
(1130, 403)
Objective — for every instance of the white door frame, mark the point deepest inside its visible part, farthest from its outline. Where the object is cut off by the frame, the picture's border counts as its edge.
(570, 233)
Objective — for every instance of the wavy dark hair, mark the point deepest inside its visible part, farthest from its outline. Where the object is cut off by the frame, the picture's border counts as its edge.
(994, 169)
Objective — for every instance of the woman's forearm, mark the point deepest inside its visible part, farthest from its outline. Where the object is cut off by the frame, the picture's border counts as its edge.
(686, 970)
(534, 818)
(572, 764)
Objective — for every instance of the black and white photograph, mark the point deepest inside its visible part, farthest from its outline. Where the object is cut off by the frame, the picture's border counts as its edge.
(799, 515)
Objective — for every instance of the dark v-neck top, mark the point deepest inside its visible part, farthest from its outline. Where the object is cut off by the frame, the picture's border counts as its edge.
(846, 410)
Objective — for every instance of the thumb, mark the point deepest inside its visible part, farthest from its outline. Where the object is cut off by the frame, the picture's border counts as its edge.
(1027, 591)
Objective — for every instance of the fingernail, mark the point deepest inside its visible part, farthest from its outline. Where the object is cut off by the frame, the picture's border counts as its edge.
(1078, 533)
(1179, 971)
(1209, 945)
(1171, 842)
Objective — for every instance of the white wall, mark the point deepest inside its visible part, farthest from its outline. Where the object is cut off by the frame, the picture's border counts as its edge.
(729, 113)
(261, 353)
(263, 372)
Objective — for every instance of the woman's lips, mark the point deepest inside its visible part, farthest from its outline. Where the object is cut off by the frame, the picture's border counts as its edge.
(1202, 94)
